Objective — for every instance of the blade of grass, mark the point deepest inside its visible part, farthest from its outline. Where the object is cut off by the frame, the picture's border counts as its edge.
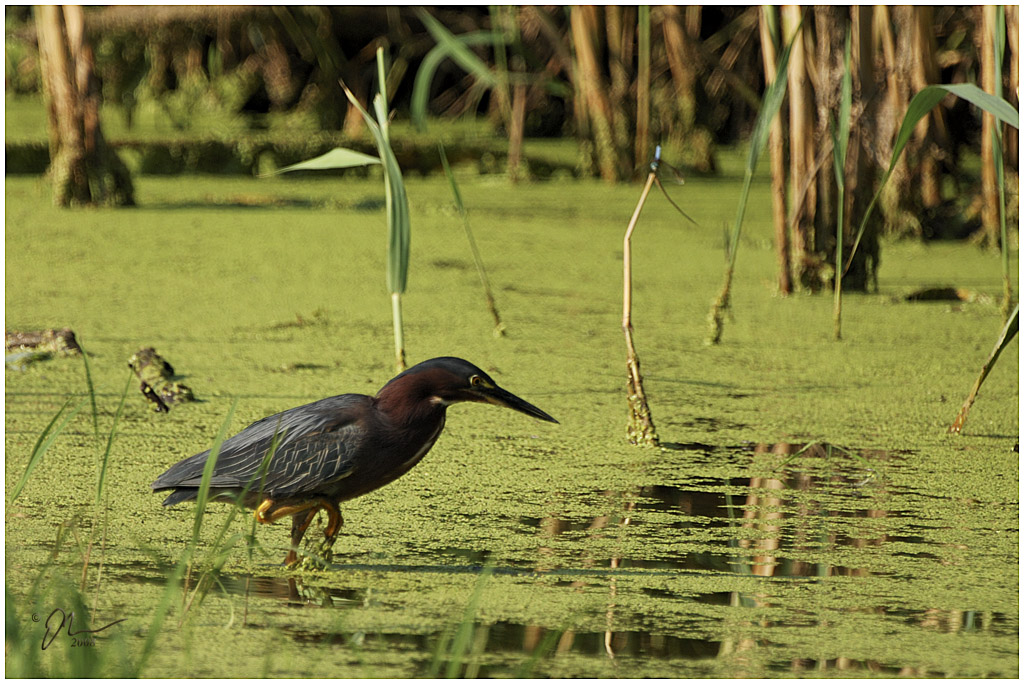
(1008, 333)
(428, 67)
(458, 50)
(203, 495)
(154, 633)
(840, 141)
(540, 651)
(453, 643)
(499, 328)
(45, 441)
(101, 481)
(395, 197)
(919, 107)
(464, 633)
(770, 105)
(396, 202)
(92, 391)
(220, 549)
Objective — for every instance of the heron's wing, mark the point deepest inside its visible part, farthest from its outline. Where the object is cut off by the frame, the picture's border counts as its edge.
(307, 465)
(315, 443)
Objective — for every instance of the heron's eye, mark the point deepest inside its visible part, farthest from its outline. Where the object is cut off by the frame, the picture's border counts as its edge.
(476, 381)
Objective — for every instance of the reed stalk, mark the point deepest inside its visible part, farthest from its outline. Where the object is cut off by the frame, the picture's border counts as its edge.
(640, 429)
(395, 197)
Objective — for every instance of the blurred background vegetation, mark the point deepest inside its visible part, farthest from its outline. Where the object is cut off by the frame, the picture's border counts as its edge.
(590, 89)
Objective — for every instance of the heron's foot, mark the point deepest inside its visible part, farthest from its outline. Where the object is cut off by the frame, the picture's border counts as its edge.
(318, 555)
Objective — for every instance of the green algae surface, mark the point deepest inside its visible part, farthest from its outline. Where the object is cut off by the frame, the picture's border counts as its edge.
(516, 547)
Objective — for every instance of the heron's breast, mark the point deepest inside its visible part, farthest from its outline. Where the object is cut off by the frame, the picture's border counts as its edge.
(424, 448)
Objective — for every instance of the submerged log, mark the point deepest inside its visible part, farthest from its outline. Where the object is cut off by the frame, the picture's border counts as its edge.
(157, 380)
(60, 342)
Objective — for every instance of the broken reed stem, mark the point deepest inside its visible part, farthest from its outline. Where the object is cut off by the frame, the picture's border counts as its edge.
(640, 429)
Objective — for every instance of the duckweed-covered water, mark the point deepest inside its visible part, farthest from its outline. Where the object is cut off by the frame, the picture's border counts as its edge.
(516, 548)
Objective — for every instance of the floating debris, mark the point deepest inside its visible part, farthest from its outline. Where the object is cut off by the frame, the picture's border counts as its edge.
(944, 294)
(158, 383)
(60, 342)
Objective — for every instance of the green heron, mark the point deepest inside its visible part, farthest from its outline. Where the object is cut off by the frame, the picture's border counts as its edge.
(337, 448)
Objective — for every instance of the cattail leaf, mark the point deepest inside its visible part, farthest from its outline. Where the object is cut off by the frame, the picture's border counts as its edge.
(458, 50)
(338, 158)
(396, 200)
(428, 67)
(920, 106)
(46, 439)
(770, 105)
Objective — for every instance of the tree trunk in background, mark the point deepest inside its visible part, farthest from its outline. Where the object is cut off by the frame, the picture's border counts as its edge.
(682, 61)
(930, 133)
(681, 32)
(801, 155)
(989, 190)
(594, 108)
(643, 85)
(815, 78)
(915, 188)
(1012, 135)
(620, 26)
(861, 162)
(830, 22)
(897, 191)
(777, 153)
(83, 168)
(516, 132)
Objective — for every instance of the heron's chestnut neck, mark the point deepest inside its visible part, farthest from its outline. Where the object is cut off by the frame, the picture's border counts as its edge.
(414, 397)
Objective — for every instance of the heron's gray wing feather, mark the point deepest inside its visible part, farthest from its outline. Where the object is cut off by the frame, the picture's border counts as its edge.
(312, 464)
(315, 442)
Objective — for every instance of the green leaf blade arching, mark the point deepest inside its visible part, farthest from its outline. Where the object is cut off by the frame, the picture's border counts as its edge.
(398, 225)
(919, 107)
(428, 67)
(770, 105)
(994, 105)
(459, 51)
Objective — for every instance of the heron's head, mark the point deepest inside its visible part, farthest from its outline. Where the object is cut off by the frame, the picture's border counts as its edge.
(449, 380)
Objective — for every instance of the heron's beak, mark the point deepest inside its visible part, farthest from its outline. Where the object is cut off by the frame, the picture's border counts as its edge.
(499, 397)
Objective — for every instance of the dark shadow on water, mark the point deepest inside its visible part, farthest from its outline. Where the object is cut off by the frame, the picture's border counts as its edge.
(686, 446)
(235, 203)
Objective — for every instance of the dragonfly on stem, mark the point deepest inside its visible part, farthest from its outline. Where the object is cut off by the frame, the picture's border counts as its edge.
(655, 167)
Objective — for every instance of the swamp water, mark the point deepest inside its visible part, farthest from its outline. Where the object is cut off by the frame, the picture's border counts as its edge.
(515, 548)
